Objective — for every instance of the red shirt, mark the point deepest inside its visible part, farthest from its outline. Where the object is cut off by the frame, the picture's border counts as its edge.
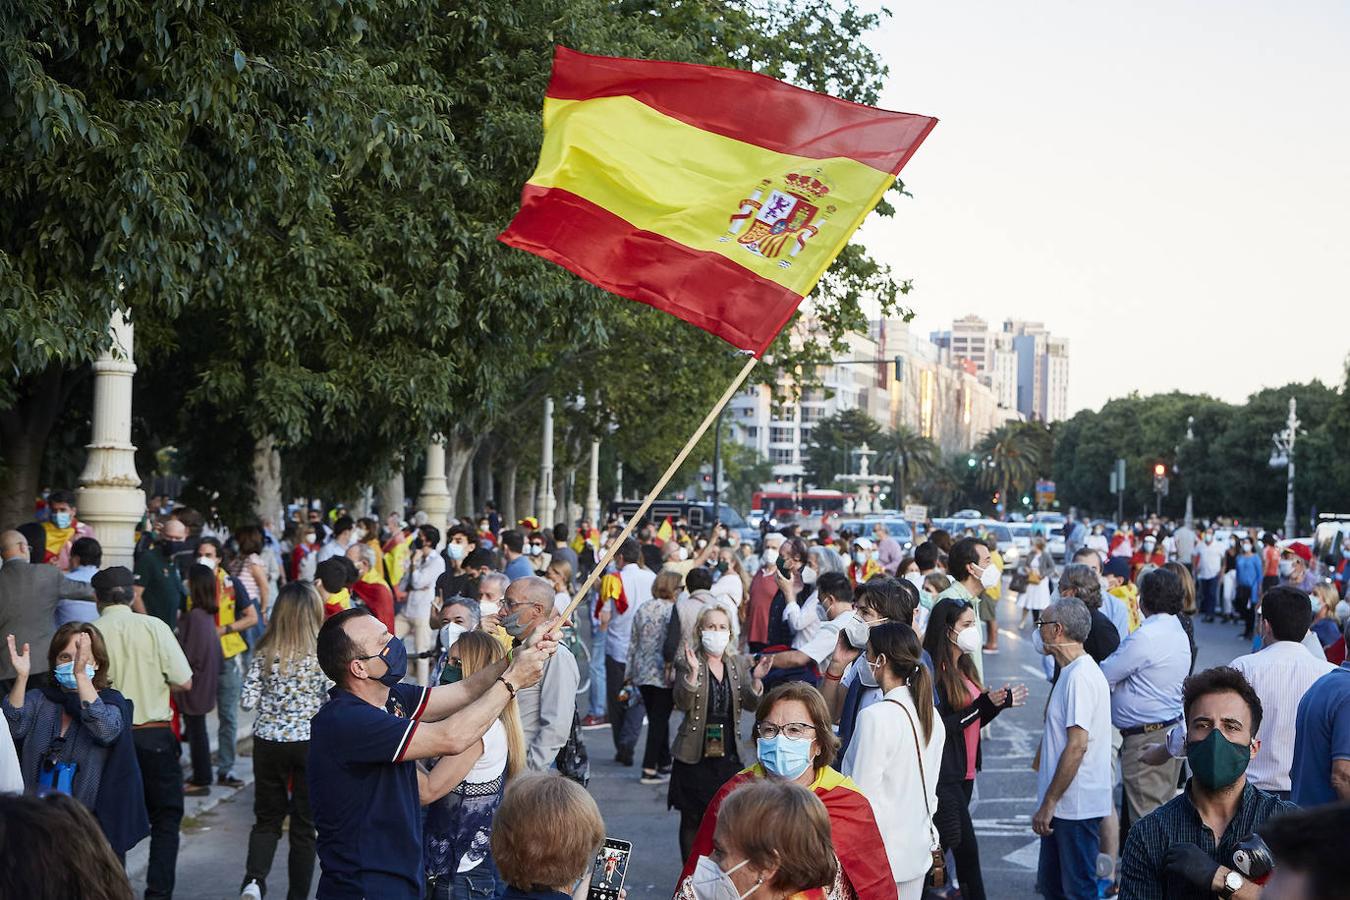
(763, 588)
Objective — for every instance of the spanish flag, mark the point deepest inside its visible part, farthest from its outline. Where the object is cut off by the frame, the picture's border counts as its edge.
(716, 195)
(664, 533)
(853, 828)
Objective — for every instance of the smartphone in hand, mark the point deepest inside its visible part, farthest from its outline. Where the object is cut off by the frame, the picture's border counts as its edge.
(609, 869)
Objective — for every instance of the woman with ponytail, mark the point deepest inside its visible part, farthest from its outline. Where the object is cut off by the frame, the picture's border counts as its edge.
(896, 753)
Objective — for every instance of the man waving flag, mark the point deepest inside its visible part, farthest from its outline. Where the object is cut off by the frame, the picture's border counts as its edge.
(717, 195)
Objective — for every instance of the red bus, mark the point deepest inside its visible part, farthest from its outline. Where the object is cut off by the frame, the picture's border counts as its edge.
(794, 505)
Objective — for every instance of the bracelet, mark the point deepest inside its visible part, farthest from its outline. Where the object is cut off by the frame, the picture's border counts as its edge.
(829, 677)
(510, 688)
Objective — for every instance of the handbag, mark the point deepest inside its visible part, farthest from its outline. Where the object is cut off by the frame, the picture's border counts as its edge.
(573, 761)
(937, 872)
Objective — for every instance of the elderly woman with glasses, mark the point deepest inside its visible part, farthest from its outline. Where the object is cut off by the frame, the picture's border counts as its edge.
(796, 743)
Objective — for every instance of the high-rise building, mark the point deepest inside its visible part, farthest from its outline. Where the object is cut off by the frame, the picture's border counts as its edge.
(991, 353)
(1042, 371)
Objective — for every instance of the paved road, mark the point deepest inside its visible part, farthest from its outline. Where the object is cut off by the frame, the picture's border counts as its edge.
(212, 855)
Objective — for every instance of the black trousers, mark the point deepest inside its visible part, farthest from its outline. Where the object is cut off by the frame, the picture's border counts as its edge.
(957, 834)
(281, 789)
(625, 720)
(162, 779)
(660, 702)
(199, 745)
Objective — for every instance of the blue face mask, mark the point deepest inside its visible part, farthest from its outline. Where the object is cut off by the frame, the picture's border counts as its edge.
(65, 674)
(783, 756)
(61, 519)
(395, 656)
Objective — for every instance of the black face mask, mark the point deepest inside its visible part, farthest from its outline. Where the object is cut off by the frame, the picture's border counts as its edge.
(170, 548)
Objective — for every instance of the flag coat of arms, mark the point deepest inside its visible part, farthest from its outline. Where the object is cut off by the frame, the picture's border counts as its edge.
(716, 195)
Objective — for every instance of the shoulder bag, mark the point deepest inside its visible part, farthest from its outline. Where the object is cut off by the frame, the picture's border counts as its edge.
(937, 874)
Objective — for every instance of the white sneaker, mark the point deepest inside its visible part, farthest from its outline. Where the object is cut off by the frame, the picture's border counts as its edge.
(251, 891)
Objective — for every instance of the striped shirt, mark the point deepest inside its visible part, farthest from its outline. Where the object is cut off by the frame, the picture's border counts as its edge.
(1281, 674)
(1177, 822)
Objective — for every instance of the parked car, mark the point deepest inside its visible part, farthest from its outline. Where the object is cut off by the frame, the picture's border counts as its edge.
(899, 529)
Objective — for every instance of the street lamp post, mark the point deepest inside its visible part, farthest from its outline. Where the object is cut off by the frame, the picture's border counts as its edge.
(1190, 436)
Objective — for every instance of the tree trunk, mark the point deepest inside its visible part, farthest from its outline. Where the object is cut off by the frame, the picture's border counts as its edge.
(483, 479)
(508, 495)
(267, 482)
(390, 495)
(458, 453)
(469, 491)
(525, 499)
(24, 429)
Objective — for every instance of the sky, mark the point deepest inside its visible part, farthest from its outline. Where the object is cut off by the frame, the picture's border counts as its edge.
(1166, 184)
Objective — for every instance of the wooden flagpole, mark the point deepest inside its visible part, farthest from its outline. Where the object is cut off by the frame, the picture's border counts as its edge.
(659, 487)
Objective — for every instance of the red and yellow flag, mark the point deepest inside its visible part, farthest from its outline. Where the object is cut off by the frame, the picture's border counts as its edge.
(716, 195)
(664, 532)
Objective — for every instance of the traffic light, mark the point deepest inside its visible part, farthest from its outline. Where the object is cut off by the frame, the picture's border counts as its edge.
(1160, 479)
(899, 368)
(1159, 470)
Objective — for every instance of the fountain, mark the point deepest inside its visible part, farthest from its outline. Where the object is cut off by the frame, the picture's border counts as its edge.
(865, 487)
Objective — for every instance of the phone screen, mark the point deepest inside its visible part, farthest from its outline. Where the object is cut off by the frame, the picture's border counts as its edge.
(611, 865)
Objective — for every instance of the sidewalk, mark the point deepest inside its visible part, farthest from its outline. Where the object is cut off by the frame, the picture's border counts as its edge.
(138, 857)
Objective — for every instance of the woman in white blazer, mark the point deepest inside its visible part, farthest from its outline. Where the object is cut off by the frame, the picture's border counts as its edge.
(896, 752)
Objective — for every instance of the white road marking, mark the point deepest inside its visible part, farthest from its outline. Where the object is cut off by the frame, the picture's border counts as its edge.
(1027, 856)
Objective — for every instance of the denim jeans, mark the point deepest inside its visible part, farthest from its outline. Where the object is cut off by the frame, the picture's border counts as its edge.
(227, 713)
(1068, 864)
(479, 883)
(597, 669)
(1209, 595)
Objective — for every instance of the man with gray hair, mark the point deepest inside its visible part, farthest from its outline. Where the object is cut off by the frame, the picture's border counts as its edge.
(1073, 782)
(547, 707)
(1080, 581)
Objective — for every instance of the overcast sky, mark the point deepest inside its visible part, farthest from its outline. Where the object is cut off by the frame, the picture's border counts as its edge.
(1167, 184)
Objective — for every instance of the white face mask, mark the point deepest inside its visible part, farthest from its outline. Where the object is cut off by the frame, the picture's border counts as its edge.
(711, 883)
(867, 672)
(1286, 568)
(207, 561)
(968, 640)
(457, 552)
(450, 633)
(770, 556)
(809, 576)
(488, 607)
(860, 557)
(360, 535)
(681, 554)
(990, 576)
(714, 642)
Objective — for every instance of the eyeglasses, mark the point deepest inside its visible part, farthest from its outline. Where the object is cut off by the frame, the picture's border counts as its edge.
(1043, 622)
(792, 731)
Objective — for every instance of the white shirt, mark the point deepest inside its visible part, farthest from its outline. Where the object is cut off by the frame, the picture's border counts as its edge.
(11, 777)
(422, 587)
(1280, 674)
(1098, 542)
(1146, 671)
(884, 762)
(1209, 560)
(731, 587)
(804, 620)
(821, 647)
(1079, 698)
(637, 587)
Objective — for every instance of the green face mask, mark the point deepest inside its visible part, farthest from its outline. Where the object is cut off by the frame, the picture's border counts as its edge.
(1216, 761)
(451, 674)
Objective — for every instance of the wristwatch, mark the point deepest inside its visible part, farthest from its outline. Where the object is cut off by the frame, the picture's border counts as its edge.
(1232, 883)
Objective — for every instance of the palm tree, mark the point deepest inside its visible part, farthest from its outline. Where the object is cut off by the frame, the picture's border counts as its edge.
(909, 456)
(1011, 457)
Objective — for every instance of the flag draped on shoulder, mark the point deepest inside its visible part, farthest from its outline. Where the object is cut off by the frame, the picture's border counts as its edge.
(716, 195)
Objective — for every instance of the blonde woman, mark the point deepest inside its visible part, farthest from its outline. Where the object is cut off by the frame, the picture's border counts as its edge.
(712, 685)
(457, 850)
(559, 574)
(1324, 623)
(286, 685)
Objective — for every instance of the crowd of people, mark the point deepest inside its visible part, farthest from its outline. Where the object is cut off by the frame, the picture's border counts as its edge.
(814, 703)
